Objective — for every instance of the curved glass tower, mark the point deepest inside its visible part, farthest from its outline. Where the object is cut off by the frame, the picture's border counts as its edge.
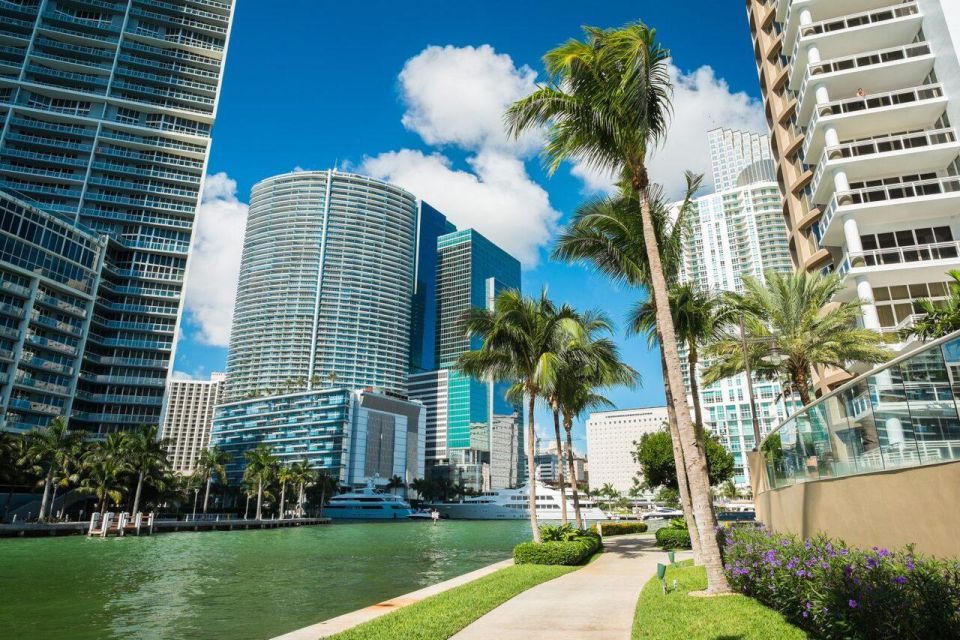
(326, 285)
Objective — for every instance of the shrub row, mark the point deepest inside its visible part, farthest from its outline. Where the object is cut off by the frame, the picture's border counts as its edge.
(623, 528)
(571, 552)
(673, 538)
(833, 591)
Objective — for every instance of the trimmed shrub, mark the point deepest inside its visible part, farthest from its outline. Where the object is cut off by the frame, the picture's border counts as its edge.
(671, 538)
(623, 528)
(567, 553)
(833, 591)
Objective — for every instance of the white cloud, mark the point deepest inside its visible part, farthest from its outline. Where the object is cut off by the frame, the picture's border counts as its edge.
(458, 95)
(701, 102)
(211, 288)
(497, 198)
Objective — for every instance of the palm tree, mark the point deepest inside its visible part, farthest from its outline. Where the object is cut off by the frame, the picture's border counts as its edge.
(940, 318)
(395, 482)
(145, 452)
(212, 463)
(261, 465)
(328, 485)
(304, 475)
(104, 466)
(285, 476)
(522, 339)
(698, 316)
(595, 363)
(791, 330)
(607, 105)
(52, 449)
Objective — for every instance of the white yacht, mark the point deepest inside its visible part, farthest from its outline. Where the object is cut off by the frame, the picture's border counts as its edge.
(662, 513)
(511, 504)
(367, 504)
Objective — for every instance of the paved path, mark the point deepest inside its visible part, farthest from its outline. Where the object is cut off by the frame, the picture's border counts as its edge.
(596, 602)
(352, 619)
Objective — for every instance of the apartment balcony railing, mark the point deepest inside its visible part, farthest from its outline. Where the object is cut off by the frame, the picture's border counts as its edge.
(887, 193)
(113, 418)
(903, 414)
(164, 222)
(171, 68)
(110, 398)
(124, 380)
(178, 248)
(40, 172)
(903, 325)
(165, 93)
(31, 360)
(51, 344)
(153, 141)
(45, 157)
(65, 327)
(178, 9)
(128, 362)
(899, 255)
(62, 305)
(53, 126)
(52, 190)
(843, 26)
(36, 407)
(168, 80)
(76, 33)
(188, 194)
(43, 56)
(33, 383)
(146, 309)
(860, 107)
(822, 71)
(180, 21)
(130, 169)
(23, 8)
(875, 147)
(176, 54)
(48, 142)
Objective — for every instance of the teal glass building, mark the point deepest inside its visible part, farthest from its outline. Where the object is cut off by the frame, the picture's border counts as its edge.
(106, 110)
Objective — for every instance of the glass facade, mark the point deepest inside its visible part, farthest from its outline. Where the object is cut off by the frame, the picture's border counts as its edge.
(423, 327)
(106, 111)
(326, 285)
(904, 414)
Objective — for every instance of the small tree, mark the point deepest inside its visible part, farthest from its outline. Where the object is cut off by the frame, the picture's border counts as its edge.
(654, 454)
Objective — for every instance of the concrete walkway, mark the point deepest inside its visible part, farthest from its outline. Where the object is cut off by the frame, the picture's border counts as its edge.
(352, 619)
(596, 602)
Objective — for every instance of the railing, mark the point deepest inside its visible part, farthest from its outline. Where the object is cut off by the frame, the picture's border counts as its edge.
(902, 255)
(888, 193)
(867, 103)
(876, 146)
(904, 324)
(860, 61)
(903, 414)
(852, 21)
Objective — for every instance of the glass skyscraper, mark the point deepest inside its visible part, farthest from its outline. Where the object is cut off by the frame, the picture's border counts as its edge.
(325, 294)
(107, 109)
(423, 341)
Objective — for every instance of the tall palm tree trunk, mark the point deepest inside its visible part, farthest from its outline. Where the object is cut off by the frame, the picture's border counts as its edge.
(283, 499)
(568, 427)
(246, 509)
(801, 385)
(260, 499)
(206, 494)
(300, 501)
(560, 475)
(532, 467)
(44, 501)
(136, 499)
(323, 497)
(683, 487)
(103, 507)
(692, 359)
(694, 460)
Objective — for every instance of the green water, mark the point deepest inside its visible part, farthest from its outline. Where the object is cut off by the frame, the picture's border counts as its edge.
(236, 585)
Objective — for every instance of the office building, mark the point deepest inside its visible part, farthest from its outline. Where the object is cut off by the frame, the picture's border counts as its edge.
(470, 272)
(107, 109)
(737, 232)
(611, 441)
(325, 293)
(357, 436)
(423, 325)
(189, 418)
(863, 99)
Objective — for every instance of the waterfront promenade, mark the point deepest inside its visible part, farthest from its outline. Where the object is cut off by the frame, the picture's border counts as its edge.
(596, 602)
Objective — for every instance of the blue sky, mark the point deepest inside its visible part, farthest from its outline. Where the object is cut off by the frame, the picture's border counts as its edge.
(385, 88)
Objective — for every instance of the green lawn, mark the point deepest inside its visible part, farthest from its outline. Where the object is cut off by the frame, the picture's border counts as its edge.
(677, 616)
(444, 614)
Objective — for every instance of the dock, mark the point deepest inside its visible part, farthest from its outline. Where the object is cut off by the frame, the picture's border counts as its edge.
(38, 529)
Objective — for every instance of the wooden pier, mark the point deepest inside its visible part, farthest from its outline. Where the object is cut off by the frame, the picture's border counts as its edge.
(93, 529)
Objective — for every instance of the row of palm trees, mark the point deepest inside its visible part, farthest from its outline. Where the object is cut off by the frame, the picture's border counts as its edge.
(264, 474)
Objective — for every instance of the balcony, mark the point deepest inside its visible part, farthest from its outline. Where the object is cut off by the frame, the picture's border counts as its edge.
(858, 118)
(124, 380)
(850, 34)
(896, 265)
(30, 360)
(891, 204)
(923, 152)
(874, 72)
(788, 13)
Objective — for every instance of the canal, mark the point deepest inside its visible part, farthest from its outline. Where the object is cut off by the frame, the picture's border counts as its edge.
(238, 585)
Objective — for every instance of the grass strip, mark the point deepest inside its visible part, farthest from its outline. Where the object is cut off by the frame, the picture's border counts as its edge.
(678, 616)
(441, 616)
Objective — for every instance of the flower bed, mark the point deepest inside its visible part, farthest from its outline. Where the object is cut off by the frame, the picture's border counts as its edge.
(834, 591)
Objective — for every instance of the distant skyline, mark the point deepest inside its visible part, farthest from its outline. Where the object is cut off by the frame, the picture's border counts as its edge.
(416, 97)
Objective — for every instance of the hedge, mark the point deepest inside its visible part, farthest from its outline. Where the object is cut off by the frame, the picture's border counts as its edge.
(623, 528)
(567, 553)
(672, 538)
(834, 591)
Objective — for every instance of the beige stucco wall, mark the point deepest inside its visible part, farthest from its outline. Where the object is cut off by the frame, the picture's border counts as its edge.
(890, 509)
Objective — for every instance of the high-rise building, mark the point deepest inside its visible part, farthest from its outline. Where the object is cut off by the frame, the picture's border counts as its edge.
(326, 285)
(863, 100)
(737, 232)
(189, 418)
(611, 438)
(470, 272)
(423, 325)
(107, 109)
(358, 436)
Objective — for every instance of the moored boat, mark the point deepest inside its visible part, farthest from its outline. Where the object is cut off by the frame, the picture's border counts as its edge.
(512, 504)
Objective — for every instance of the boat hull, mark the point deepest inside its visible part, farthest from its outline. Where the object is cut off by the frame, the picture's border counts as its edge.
(467, 511)
(366, 513)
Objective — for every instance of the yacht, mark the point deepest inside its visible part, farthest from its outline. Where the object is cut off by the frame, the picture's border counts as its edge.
(662, 513)
(511, 504)
(368, 504)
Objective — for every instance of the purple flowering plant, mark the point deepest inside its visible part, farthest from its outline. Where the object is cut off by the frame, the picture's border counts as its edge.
(832, 590)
